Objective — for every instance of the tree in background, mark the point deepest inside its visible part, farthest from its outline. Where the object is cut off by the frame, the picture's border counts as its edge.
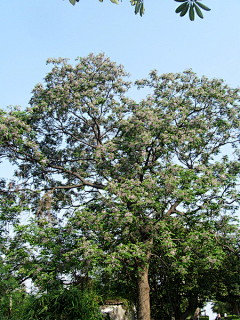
(222, 307)
(227, 283)
(181, 277)
(191, 6)
(119, 171)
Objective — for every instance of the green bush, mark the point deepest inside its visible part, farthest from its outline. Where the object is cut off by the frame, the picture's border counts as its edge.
(233, 317)
(15, 298)
(69, 304)
(72, 304)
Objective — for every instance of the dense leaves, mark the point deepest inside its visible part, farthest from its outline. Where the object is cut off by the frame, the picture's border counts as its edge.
(71, 303)
(227, 284)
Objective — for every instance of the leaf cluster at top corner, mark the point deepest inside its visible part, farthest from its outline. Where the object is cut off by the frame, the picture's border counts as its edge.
(187, 5)
(192, 6)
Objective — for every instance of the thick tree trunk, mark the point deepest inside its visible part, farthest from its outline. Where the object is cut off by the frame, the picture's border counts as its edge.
(143, 295)
(143, 287)
(236, 310)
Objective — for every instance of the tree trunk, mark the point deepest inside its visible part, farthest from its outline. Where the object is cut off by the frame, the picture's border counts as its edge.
(143, 287)
(190, 309)
(10, 305)
(236, 310)
(143, 294)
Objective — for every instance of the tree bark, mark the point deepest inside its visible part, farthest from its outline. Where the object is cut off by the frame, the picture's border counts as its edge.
(144, 289)
(143, 294)
(236, 310)
(191, 308)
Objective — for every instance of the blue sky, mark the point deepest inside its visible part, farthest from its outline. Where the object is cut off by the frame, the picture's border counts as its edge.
(32, 31)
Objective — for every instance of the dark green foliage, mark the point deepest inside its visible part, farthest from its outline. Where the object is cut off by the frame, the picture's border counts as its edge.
(181, 280)
(222, 307)
(12, 301)
(190, 6)
(72, 304)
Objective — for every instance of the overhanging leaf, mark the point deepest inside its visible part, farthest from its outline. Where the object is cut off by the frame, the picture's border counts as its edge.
(198, 11)
(181, 7)
(137, 7)
(191, 13)
(142, 9)
(203, 6)
(184, 11)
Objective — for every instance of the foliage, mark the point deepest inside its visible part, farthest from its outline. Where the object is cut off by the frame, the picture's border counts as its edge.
(227, 284)
(222, 307)
(190, 6)
(71, 303)
(110, 181)
(182, 282)
(187, 6)
(12, 302)
(64, 304)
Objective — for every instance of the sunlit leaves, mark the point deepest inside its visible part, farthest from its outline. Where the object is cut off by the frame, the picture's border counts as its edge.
(191, 5)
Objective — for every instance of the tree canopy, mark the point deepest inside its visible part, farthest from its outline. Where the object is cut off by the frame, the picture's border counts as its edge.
(113, 184)
(193, 7)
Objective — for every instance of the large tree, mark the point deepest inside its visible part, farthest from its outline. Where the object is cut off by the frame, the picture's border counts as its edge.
(119, 170)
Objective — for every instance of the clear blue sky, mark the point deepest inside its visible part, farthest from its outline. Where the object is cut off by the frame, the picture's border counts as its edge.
(32, 31)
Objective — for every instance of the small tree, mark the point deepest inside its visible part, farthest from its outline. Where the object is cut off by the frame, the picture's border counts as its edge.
(121, 169)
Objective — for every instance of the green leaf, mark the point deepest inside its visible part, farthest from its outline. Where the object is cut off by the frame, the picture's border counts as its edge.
(181, 7)
(72, 2)
(203, 6)
(142, 9)
(181, 0)
(198, 11)
(184, 11)
(191, 13)
(137, 7)
(115, 1)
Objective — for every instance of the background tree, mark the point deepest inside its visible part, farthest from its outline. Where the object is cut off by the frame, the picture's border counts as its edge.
(181, 276)
(120, 169)
(227, 284)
